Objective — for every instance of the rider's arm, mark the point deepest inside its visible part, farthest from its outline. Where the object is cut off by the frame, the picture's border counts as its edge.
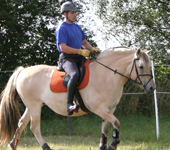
(86, 45)
(67, 49)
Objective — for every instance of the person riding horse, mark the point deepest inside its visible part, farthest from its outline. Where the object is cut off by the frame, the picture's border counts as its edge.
(108, 74)
(69, 40)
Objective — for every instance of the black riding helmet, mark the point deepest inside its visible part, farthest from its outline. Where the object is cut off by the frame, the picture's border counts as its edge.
(68, 6)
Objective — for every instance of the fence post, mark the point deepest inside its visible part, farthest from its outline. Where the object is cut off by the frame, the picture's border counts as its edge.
(156, 103)
(69, 125)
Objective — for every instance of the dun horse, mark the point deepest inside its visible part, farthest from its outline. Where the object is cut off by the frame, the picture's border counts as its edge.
(108, 74)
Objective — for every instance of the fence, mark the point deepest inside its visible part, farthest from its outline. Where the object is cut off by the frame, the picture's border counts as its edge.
(155, 98)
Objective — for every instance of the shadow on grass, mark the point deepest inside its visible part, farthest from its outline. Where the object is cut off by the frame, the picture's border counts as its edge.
(87, 143)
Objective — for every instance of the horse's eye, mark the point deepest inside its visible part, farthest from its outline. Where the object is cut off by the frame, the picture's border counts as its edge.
(141, 67)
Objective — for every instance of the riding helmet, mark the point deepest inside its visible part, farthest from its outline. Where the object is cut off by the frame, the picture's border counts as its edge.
(68, 6)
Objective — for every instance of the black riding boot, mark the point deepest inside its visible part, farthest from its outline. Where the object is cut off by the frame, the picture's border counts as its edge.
(71, 88)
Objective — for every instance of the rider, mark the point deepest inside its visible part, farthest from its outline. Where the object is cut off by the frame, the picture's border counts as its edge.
(69, 40)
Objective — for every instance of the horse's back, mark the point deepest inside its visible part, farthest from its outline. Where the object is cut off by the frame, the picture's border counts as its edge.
(33, 80)
(37, 72)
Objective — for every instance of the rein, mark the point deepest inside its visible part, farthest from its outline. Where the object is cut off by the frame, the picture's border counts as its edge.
(129, 78)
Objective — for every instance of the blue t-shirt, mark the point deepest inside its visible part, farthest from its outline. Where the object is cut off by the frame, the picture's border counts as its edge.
(70, 34)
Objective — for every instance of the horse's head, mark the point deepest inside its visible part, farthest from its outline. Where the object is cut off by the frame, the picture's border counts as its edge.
(141, 71)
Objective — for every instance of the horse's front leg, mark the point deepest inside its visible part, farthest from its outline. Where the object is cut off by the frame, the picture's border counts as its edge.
(108, 116)
(103, 139)
(115, 141)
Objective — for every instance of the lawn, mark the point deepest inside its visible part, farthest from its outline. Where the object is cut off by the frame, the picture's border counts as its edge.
(137, 133)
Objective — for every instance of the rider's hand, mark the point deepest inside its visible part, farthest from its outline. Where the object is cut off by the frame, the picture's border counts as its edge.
(84, 52)
(95, 51)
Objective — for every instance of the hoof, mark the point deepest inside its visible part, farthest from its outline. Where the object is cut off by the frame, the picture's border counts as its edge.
(112, 147)
(115, 142)
(103, 142)
(103, 147)
(46, 147)
(11, 145)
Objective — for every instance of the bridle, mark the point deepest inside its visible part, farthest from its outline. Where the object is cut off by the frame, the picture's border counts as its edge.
(138, 75)
(137, 80)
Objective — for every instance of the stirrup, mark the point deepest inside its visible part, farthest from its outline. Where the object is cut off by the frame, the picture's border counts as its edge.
(72, 108)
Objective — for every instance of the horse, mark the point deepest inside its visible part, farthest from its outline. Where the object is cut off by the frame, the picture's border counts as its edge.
(108, 74)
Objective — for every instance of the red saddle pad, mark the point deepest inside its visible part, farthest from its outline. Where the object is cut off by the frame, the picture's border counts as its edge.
(56, 82)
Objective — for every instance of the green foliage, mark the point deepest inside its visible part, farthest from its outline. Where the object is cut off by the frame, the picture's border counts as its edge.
(142, 24)
(28, 32)
(162, 74)
(4, 79)
(26, 38)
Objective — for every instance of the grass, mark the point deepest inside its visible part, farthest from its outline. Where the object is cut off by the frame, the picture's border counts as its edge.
(137, 133)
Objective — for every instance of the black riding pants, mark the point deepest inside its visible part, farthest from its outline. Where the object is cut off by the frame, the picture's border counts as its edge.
(71, 65)
(72, 69)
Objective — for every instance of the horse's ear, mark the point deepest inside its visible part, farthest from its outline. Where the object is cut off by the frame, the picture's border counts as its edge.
(148, 52)
(138, 52)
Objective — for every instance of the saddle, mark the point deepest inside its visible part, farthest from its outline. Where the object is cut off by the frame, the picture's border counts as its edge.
(60, 78)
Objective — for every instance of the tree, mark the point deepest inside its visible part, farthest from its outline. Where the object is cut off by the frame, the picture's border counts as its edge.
(28, 32)
(26, 39)
(141, 23)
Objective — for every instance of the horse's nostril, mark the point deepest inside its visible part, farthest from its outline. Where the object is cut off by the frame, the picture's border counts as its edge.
(151, 88)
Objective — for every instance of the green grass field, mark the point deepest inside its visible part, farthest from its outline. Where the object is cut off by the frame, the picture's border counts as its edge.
(137, 133)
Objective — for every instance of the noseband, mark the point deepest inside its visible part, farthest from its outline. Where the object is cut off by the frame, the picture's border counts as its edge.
(138, 80)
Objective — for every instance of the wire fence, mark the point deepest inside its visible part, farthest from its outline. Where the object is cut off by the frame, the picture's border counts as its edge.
(141, 93)
(145, 93)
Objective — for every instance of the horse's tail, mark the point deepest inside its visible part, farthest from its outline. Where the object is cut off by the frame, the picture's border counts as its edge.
(9, 111)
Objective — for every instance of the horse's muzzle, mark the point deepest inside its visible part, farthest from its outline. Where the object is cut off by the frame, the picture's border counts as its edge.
(149, 88)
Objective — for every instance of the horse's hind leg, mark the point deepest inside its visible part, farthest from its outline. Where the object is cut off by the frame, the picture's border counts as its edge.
(35, 126)
(103, 139)
(21, 125)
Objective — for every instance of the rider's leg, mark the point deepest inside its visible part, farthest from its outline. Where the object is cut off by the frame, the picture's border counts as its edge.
(72, 69)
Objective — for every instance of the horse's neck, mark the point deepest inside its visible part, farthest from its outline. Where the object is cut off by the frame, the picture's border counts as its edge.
(120, 62)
